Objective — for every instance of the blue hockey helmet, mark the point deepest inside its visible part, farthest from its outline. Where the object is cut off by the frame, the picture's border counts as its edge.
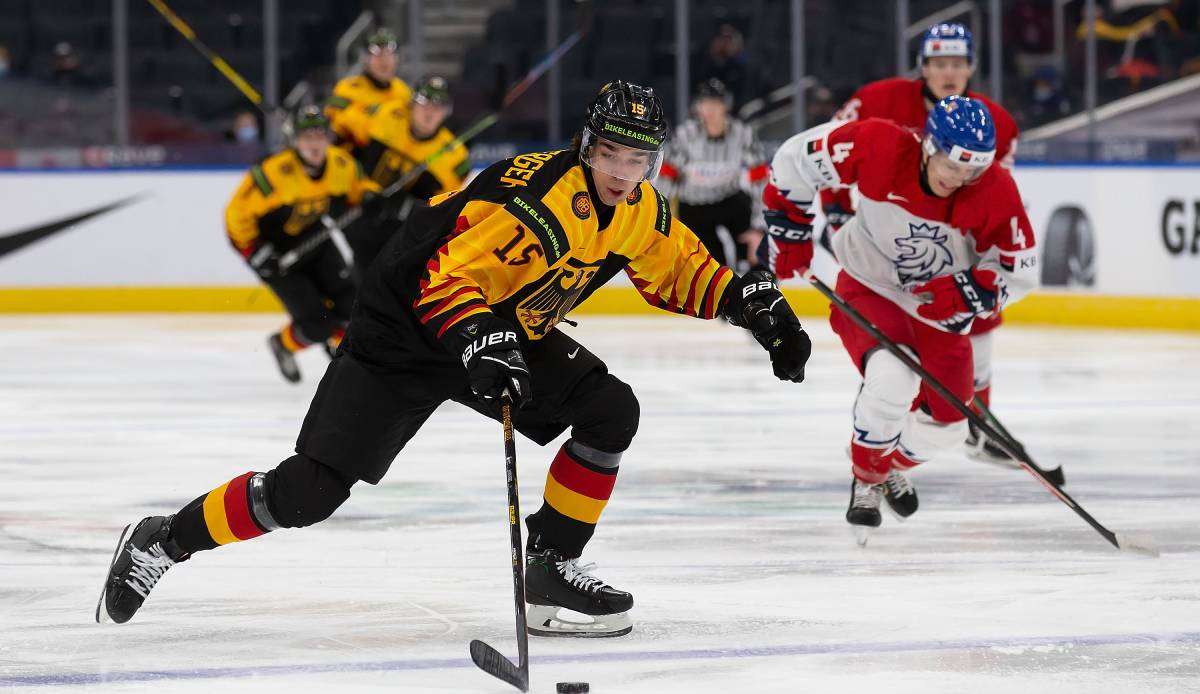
(962, 129)
(947, 40)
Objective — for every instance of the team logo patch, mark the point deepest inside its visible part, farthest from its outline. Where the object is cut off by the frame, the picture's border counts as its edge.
(923, 254)
(581, 205)
(634, 196)
(539, 312)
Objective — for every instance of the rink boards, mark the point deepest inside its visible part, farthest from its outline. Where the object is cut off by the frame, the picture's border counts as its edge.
(1120, 246)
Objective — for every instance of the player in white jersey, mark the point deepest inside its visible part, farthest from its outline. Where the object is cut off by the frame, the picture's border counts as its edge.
(939, 239)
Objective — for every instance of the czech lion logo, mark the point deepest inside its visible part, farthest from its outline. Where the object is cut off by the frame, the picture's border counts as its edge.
(923, 253)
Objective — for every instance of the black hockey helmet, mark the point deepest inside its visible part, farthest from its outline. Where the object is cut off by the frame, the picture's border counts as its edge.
(383, 39)
(713, 88)
(629, 115)
(309, 117)
(432, 90)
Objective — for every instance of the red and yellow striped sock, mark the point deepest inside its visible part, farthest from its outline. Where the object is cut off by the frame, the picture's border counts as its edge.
(292, 339)
(576, 493)
(232, 512)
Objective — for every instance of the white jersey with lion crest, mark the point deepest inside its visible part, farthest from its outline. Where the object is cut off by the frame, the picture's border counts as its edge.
(902, 234)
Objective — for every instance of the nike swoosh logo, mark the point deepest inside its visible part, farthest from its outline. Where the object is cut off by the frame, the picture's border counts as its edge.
(572, 354)
(900, 198)
(10, 243)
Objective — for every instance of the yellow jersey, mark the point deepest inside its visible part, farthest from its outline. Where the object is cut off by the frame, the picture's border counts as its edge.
(278, 201)
(526, 240)
(388, 150)
(354, 94)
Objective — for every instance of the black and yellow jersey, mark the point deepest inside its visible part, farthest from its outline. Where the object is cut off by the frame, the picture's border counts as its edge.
(354, 94)
(527, 241)
(278, 201)
(387, 150)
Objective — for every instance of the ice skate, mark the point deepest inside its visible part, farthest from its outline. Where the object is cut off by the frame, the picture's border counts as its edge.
(142, 556)
(900, 494)
(284, 358)
(863, 513)
(983, 449)
(555, 585)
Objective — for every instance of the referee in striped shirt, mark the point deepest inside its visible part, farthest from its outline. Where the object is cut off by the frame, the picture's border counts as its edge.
(715, 169)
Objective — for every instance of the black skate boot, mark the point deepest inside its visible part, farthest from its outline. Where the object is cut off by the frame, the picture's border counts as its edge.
(143, 555)
(863, 514)
(983, 449)
(553, 582)
(284, 359)
(900, 494)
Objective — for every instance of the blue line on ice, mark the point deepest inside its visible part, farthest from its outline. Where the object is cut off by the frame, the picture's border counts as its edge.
(84, 678)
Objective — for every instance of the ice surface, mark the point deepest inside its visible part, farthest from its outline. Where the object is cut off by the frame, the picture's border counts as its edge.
(726, 525)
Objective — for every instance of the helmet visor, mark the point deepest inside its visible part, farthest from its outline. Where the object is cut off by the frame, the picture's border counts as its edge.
(617, 160)
(962, 165)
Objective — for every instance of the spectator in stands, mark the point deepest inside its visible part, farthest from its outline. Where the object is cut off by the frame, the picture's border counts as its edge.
(64, 66)
(819, 106)
(5, 62)
(1136, 38)
(244, 130)
(725, 60)
(1046, 98)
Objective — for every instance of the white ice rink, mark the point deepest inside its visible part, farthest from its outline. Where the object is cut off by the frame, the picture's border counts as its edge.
(726, 525)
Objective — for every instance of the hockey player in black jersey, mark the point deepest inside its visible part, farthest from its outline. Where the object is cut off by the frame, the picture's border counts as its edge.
(465, 308)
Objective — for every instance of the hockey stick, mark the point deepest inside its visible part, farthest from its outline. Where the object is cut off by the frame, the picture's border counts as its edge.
(1140, 545)
(487, 658)
(217, 61)
(1055, 474)
(483, 123)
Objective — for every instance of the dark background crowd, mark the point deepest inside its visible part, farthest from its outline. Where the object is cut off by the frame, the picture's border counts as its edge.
(56, 60)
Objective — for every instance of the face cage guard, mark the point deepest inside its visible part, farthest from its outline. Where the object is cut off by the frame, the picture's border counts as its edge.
(446, 106)
(290, 132)
(381, 48)
(618, 165)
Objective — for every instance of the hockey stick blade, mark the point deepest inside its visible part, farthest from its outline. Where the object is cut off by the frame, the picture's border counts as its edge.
(1138, 544)
(490, 661)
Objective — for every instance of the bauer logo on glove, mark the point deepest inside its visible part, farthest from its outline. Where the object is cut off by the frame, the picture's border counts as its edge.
(496, 338)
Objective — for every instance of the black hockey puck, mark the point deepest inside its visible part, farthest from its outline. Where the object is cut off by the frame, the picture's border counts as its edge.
(573, 687)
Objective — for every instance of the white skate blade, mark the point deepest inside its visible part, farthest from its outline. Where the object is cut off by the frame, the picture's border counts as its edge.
(545, 620)
(102, 612)
(862, 533)
(980, 454)
(1138, 544)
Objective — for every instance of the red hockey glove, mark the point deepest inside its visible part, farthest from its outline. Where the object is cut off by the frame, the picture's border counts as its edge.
(956, 299)
(787, 248)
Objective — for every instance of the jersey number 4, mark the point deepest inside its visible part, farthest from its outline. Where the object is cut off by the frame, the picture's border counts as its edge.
(841, 152)
(1018, 234)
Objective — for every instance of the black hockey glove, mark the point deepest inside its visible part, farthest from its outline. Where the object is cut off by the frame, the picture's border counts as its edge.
(388, 209)
(836, 215)
(492, 356)
(755, 303)
(265, 262)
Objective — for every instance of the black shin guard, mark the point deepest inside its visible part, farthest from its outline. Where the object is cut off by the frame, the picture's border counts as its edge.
(297, 493)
